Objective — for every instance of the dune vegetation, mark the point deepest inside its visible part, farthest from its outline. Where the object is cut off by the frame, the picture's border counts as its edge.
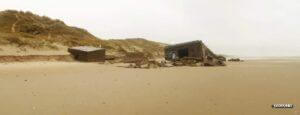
(28, 30)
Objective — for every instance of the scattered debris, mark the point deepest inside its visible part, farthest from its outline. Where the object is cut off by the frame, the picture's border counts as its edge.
(235, 60)
(222, 58)
(136, 59)
(193, 53)
(147, 64)
(110, 57)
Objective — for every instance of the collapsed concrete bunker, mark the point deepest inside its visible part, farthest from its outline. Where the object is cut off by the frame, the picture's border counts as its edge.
(194, 50)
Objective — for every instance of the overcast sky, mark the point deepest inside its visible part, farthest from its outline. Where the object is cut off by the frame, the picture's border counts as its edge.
(234, 27)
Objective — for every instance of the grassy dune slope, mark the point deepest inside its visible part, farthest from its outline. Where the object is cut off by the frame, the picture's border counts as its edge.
(27, 30)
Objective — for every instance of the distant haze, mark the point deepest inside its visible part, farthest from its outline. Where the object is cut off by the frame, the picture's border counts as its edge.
(233, 27)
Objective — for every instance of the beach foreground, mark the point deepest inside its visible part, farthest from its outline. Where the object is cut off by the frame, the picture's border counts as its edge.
(70, 88)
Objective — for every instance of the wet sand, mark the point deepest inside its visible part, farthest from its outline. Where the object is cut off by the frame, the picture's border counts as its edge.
(69, 88)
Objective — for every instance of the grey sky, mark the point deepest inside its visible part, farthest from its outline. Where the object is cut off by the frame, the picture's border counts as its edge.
(235, 27)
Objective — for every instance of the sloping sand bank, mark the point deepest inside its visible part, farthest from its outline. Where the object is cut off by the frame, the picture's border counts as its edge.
(34, 58)
(68, 88)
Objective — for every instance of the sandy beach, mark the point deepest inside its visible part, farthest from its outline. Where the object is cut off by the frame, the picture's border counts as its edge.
(72, 88)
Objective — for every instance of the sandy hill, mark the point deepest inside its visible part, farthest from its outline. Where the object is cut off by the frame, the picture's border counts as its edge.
(26, 32)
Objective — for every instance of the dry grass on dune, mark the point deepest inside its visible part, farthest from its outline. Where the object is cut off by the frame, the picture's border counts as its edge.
(26, 29)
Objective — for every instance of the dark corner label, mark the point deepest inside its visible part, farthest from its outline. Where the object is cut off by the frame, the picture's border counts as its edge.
(283, 106)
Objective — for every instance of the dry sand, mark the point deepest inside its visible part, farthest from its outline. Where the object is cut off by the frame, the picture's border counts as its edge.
(65, 88)
(21, 51)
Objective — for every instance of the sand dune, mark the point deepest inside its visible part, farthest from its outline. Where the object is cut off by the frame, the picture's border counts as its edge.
(70, 88)
(17, 51)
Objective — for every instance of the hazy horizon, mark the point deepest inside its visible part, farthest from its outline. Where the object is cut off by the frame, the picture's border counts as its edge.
(235, 27)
